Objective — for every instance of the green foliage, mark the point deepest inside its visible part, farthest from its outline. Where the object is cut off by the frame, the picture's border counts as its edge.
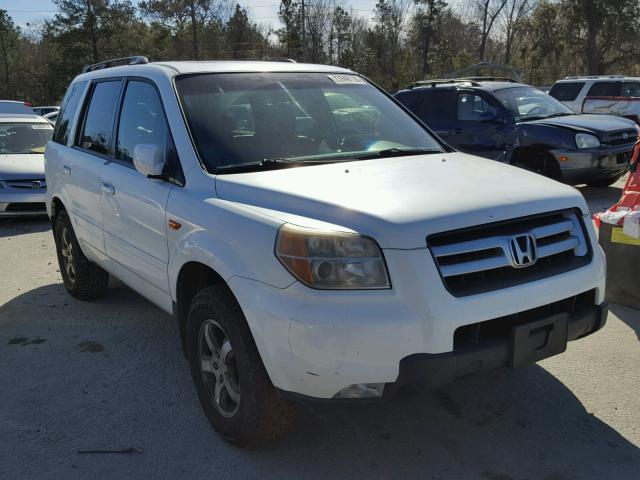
(406, 40)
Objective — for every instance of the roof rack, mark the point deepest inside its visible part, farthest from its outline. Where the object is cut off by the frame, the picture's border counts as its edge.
(134, 60)
(592, 77)
(490, 79)
(278, 59)
(441, 81)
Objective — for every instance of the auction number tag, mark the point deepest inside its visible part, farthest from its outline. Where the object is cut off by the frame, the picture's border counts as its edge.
(347, 79)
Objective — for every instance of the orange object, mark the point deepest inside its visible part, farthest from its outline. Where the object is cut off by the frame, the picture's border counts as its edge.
(630, 198)
(173, 225)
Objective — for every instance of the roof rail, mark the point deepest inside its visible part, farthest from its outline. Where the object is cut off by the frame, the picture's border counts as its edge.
(490, 79)
(134, 60)
(592, 77)
(440, 81)
(278, 59)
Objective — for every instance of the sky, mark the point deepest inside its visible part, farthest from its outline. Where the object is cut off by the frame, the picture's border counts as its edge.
(261, 11)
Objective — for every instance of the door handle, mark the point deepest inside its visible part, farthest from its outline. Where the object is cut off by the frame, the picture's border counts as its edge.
(66, 170)
(108, 188)
(457, 131)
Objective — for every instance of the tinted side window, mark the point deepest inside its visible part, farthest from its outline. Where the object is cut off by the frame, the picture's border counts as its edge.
(142, 120)
(437, 106)
(410, 99)
(473, 108)
(98, 125)
(605, 89)
(566, 91)
(67, 112)
(631, 89)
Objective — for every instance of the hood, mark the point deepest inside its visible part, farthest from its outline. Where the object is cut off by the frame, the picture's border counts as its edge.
(21, 166)
(602, 124)
(399, 201)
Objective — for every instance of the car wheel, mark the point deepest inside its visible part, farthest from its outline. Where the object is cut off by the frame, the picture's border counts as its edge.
(82, 278)
(232, 384)
(604, 182)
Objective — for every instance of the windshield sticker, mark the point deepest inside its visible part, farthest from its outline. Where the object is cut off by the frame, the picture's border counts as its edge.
(346, 79)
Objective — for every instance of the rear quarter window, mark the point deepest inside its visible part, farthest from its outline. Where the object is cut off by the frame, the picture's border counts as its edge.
(438, 105)
(70, 104)
(410, 99)
(605, 89)
(566, 91)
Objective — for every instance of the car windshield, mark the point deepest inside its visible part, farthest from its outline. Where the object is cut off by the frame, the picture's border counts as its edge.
(245, 118)
(528, 103)
(24, 137)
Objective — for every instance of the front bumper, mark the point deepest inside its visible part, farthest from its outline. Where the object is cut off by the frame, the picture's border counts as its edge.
(22, 203)
(592, 164)
(432, 371)
(316, 343)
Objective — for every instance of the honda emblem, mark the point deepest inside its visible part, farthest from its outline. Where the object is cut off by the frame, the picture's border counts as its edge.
(524, 251)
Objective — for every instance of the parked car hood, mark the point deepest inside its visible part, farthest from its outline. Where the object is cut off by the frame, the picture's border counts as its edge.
(399, 201)
(591, 123)
(21, 166)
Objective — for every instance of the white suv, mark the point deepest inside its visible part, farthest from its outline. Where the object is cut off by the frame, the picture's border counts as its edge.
(311, 237)
(605, 94)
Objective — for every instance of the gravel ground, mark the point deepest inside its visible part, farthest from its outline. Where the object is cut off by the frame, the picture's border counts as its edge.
(102, 390)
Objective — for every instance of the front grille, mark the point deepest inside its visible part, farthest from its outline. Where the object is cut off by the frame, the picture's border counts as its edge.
(622, 137)
(500, 328)
(480, 259)
(26, 207)
(28, 184)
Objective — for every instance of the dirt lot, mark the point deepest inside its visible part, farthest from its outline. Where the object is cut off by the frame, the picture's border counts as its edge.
(102, 390)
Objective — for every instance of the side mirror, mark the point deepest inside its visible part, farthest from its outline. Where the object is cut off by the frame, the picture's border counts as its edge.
(149, 159)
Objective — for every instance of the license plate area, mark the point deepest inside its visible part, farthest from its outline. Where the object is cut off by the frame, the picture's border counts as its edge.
(539, 339)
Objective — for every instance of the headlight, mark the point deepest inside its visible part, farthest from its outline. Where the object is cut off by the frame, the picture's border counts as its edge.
(586, 140)
(331, 260)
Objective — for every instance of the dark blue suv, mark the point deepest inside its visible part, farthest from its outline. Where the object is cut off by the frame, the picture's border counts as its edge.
(521, 125)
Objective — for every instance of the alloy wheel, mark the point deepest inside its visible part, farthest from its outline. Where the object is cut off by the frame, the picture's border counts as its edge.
(218, 368)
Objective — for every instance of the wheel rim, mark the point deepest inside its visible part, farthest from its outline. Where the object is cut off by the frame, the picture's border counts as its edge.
(67, 252)
(218, 368)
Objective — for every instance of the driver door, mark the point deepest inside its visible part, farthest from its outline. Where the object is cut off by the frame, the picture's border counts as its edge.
(133, 206)
(481, 128)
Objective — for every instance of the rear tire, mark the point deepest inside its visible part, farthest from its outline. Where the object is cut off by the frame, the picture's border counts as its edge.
(82, 278)
(232, 384)
(605, 182)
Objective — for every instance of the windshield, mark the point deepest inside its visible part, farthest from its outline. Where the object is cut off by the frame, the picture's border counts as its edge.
(24, 137)
(243, 118)
(528, 103)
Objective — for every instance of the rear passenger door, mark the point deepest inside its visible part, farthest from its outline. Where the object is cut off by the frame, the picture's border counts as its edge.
(133, 206)
(438, 111)
(83, 164)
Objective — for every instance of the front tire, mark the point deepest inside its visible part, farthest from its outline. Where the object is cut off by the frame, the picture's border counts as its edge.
(82, 278)
(232, 384)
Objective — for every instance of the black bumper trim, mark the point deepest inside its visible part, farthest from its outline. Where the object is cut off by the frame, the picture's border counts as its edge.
(431, 371)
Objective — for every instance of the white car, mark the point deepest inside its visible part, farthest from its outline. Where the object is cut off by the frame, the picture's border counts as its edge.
(310, 251)
(14, 106)
(52, 117)
(22, 184)
(45, 110)
(605, 94)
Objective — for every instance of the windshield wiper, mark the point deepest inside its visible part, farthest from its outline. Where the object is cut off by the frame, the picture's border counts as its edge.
(542, 117)
(264, 164)
(395, 152)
